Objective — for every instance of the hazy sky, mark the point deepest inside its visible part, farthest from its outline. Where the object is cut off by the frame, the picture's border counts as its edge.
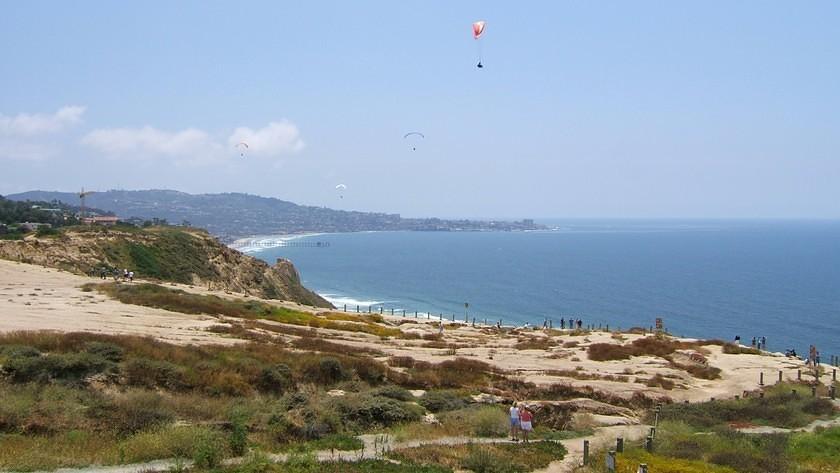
(584, 109)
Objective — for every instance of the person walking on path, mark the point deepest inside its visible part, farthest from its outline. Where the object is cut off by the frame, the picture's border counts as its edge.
(514, 422)
(131, 276)
(525, 422)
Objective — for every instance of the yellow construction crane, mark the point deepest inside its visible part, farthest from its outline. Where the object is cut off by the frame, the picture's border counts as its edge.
(82, 196)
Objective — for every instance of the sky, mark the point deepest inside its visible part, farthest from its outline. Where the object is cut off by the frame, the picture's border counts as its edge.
(643, 109)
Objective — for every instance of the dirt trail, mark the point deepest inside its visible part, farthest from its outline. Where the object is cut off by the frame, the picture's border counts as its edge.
(603, 437)
(375, 446)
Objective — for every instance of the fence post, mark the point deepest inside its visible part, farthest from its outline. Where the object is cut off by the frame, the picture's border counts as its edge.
(814, 391)
(611, 461)
(799, 375)
(780, 376)
(834, 374)
(619, 445)
(392, 311)
(586, 452)
(345, 307)
(649, 443)
(832, 392)
(653, 432)
(761, 379)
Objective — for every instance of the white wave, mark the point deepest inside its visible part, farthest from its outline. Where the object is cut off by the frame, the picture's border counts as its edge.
(339, 301)
(263, 242)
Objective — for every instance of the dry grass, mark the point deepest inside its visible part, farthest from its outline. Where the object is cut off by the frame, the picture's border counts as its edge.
(535, 343)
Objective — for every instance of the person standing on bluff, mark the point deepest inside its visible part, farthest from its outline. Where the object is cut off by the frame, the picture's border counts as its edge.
(514, 422)
(525, 422)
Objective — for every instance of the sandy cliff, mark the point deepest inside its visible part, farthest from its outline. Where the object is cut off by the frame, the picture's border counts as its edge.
(186, 256)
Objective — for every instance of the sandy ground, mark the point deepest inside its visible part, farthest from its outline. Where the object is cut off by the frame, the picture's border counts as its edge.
(37, 298)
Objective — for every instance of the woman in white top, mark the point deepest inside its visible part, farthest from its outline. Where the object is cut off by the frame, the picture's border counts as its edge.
(514, 421)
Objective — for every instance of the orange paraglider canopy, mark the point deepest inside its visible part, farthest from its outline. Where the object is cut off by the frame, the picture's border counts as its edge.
(478, 29)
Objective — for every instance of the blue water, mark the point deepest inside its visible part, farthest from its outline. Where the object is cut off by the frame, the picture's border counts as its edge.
(705, 279)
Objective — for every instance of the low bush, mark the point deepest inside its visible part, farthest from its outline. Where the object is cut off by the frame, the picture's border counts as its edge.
(394, 392)
(365, 412)
(133, 412)
(485, 458)
(733, 349)
(779, 408)
(535, 343)
(440, 401)
(658, 380)
(275, 379)
(23, 366)
(148, 373)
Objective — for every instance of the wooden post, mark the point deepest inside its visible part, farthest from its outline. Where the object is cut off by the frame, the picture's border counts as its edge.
(780, 376)
(814, 391)
(799, 375)
(834, 374)
(653, 432)
(345, 307)
(392, 311)
(619, 444)
(832, 392)
(586, 452)
(761, 379)
(611, 461)
(357, 308)
(649, 444)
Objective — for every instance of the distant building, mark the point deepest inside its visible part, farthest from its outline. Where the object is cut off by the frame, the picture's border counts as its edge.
(32, 226)
(106, 220)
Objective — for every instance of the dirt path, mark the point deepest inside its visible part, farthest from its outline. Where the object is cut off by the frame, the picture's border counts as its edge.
(375, 446)
(603, 437)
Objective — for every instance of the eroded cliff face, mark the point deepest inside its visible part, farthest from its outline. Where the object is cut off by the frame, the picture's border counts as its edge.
(186, 256)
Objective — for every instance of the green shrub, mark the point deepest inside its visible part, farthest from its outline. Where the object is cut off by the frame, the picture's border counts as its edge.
(209, 450)
(440, 401)
(152, 374)
(108, 351)
(394, 392)
(69, 367)
(134, 412)
(238, 438)
(275, 379)
(327, 370)
(367, 411)
(480, 460)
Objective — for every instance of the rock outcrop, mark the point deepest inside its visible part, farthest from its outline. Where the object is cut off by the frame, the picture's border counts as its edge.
(187, 256)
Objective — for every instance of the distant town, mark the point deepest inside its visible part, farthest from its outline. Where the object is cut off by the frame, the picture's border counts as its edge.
(233, 215)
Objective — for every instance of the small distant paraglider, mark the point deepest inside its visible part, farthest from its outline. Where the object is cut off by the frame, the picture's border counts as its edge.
(340, 188)
(413, 137)
(242, 147)
(478, 30)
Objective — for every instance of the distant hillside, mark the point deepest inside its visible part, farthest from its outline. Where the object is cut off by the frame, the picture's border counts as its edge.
(187, 256)
(233, 215)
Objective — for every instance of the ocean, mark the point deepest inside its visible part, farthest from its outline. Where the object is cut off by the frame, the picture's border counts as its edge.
(709, 279)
